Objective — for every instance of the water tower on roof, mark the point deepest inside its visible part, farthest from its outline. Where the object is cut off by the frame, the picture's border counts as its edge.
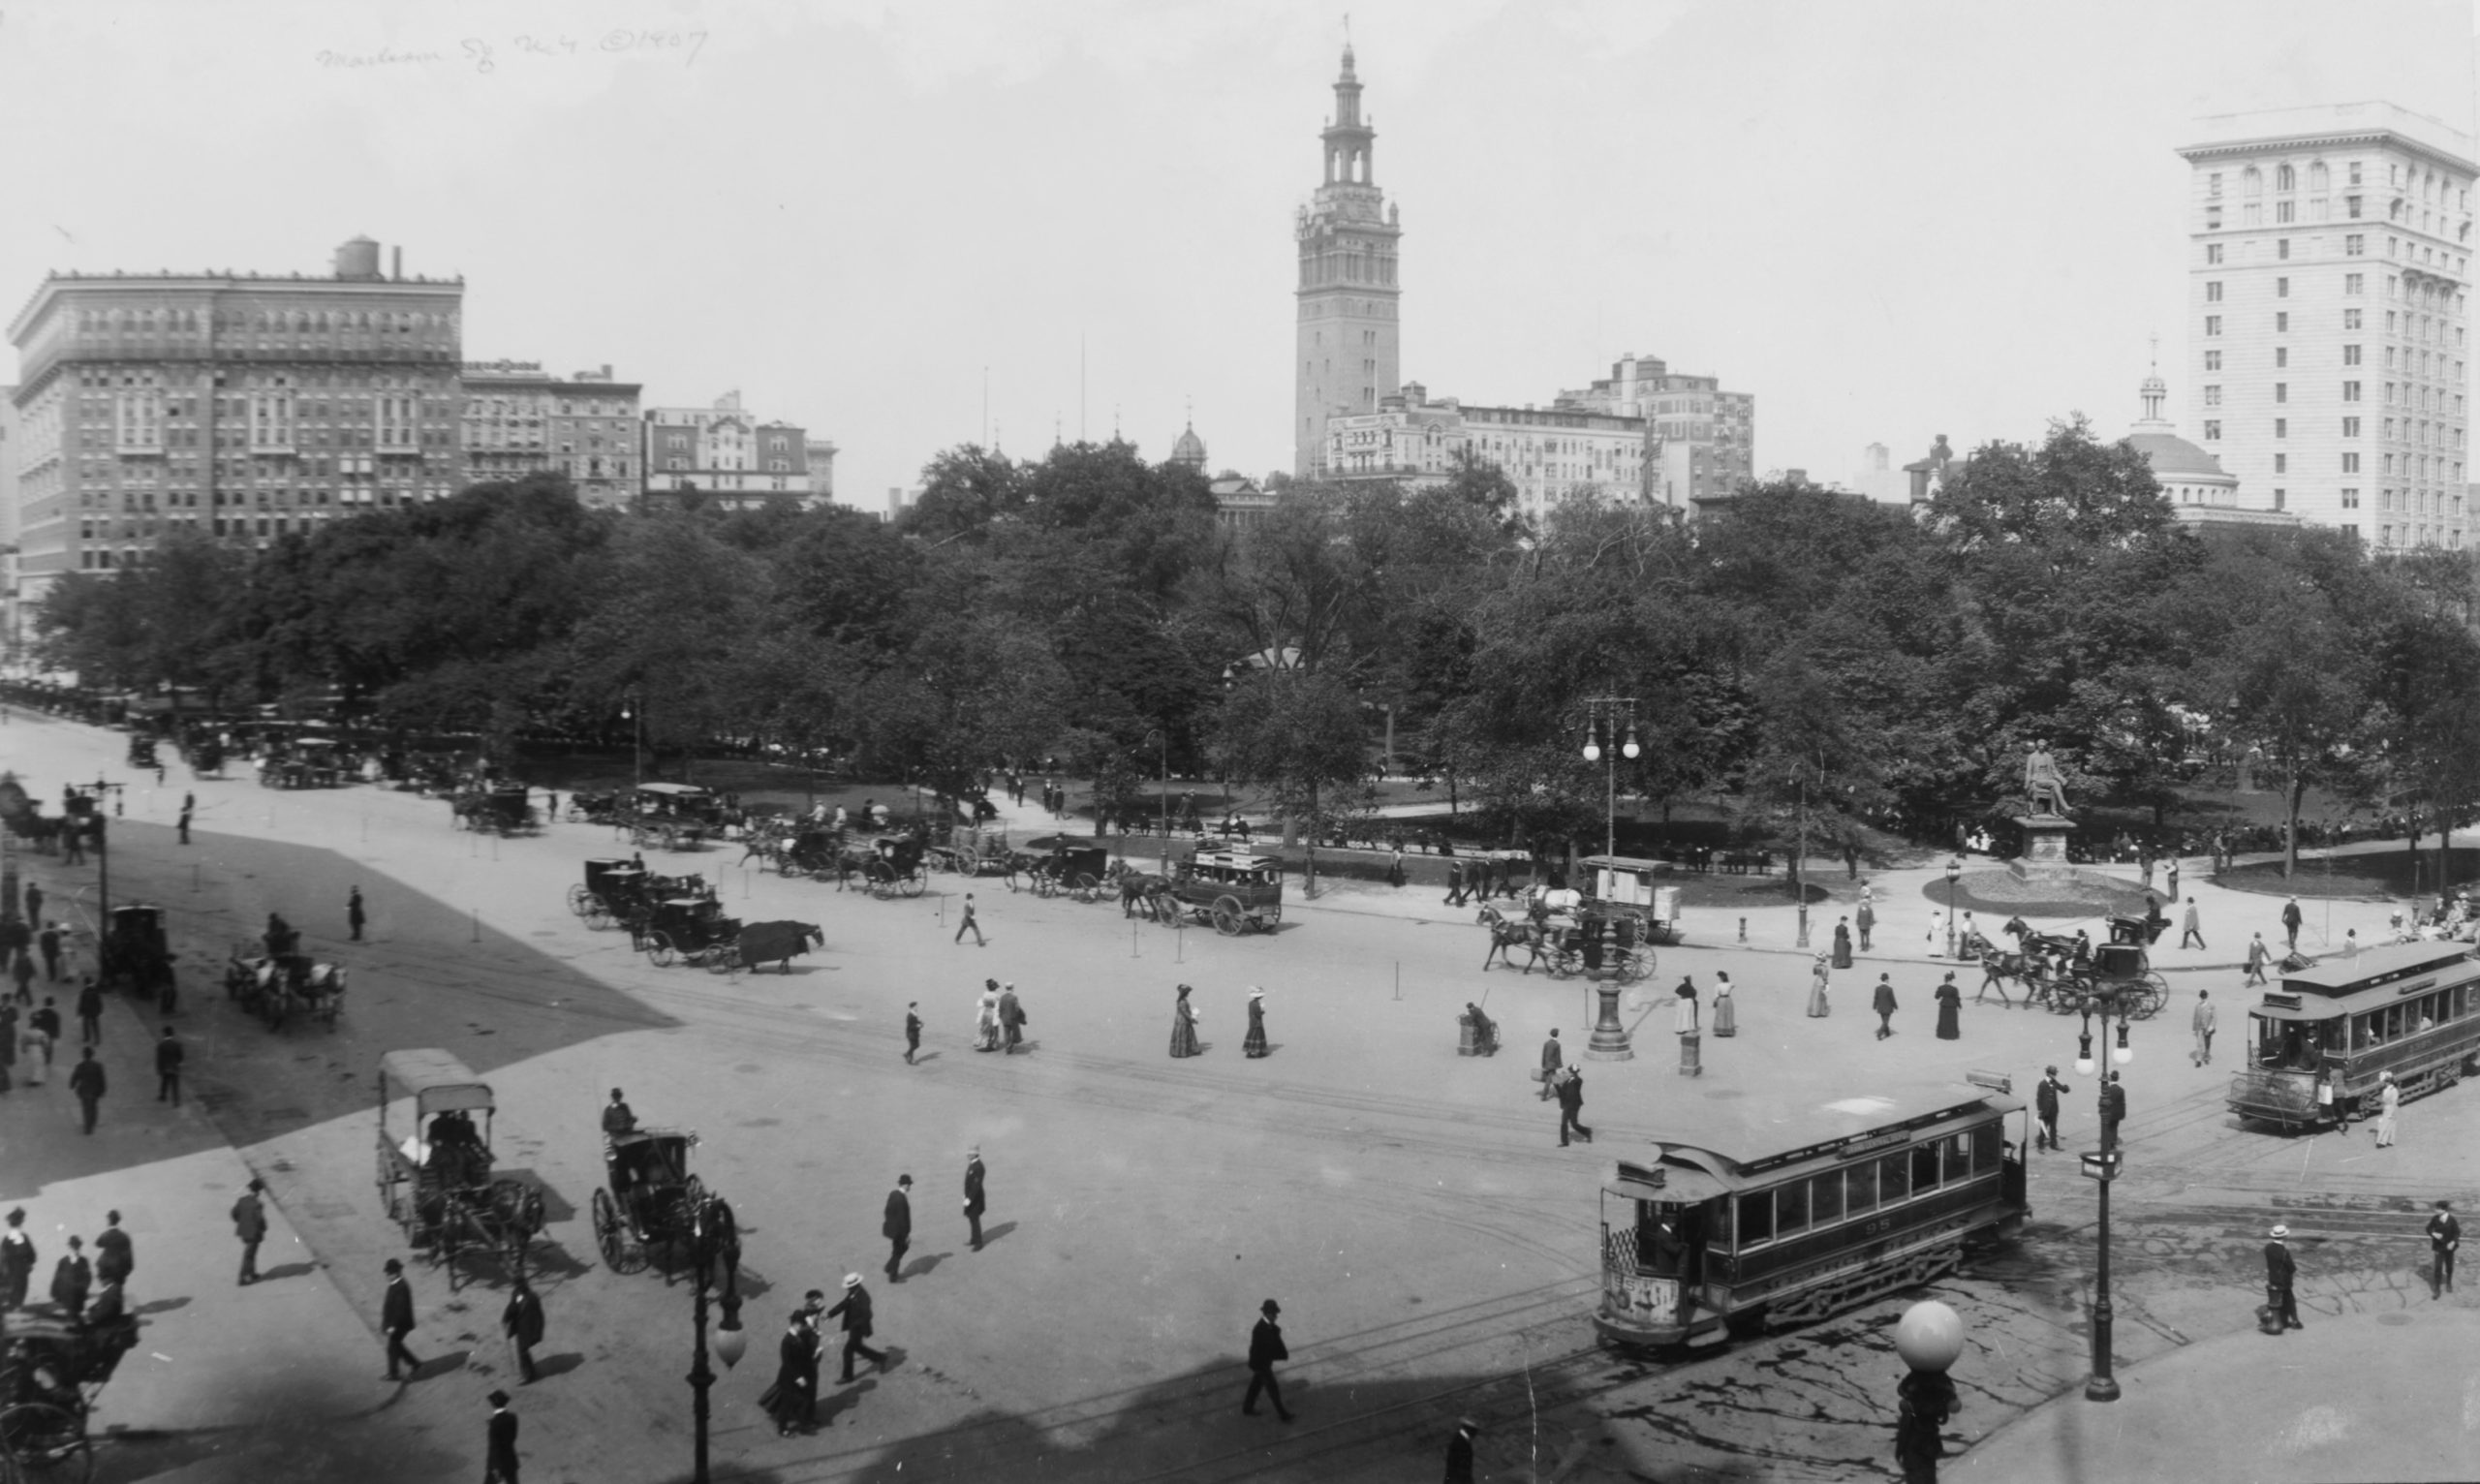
(357, 259)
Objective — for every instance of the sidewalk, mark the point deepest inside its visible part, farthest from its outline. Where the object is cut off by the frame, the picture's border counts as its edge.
(2378, 1397)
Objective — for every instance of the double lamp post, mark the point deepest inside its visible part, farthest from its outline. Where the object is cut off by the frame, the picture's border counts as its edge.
(1603, 717)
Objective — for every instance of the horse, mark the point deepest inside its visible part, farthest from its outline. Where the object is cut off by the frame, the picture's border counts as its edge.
(1137, 893)
(1504, 935)
(715, 1237)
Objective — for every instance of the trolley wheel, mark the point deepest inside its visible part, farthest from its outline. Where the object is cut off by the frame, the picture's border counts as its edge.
(43, 1442)
(659, 952)
(580, 900)
(1086, 888)
(1227, 920)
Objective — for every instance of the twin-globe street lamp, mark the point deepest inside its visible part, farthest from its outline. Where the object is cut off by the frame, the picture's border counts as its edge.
(1602, 716)
(1954, 870)
(2103, 1167)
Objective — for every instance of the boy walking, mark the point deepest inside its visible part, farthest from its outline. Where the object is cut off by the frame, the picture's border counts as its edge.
(912, 1029)
(969, 925)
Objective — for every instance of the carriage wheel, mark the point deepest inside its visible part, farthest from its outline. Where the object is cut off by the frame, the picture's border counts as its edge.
(914, 882)
(786, 865)
(580, 900)
(2153, 992)
(1226, 916)
(598, 915)
(1086, 888)
(40, 1441)
(693, 1194)
(1044, 883)
(659, 952)
(1635, 963)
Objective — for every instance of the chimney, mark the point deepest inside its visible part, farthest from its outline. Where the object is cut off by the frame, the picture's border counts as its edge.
(397, 259)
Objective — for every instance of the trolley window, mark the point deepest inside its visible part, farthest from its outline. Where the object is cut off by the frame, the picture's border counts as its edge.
(1791, 1209)
(1924, 1165)
(1755, 1219)
(1894, 1179)
(1989, 1146)
(1825, 1198)
(1860, 1189)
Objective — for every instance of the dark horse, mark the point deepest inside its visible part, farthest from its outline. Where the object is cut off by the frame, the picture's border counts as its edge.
(715, 1239)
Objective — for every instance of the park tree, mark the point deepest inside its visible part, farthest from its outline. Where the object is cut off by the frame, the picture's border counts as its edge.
(1297, 734)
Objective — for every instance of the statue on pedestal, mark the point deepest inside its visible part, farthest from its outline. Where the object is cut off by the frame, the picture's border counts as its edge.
(2042, 783)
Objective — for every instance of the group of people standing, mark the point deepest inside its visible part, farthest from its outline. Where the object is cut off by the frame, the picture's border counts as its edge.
(86, 1293)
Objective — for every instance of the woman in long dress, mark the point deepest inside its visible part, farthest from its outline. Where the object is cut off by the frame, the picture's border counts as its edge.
(1256, 1042)
(1184, 1025)
(1817, 1009)
(1950, 1009)
(986, 1023)
(1684, 1008)
(1726, 1022)
(1843, 944)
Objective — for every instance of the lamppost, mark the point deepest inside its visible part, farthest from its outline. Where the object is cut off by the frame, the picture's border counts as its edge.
(1800, 854)
(1162, 740)
(731, 1342)
(633, 710)
(2104, 1168)
(1603, 714)
(103, 854)
(1954, 870)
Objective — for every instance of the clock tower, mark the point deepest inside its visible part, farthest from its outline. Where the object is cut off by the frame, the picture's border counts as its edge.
(1350, 352)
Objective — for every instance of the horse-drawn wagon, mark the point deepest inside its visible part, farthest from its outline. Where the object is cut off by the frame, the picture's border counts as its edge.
(1233, 890)
(896, 866)
(274, 986)
(1066, 864)
(52, 1371)
(134, 954)
(650, 1199)
(141, 750)
(677, 816)
(507, 808)
(435, 1176)
(974, 849)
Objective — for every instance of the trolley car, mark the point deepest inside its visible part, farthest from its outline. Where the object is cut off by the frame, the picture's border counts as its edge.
(2320, 1044)
(1756, 1224)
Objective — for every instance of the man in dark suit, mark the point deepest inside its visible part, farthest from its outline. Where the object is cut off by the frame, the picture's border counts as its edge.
(2045, 1109)
(1265, 1347)
(396, 1321)
(897, 1228)
(169, 1056)
(1459, 1452)
(499, 1460)
(522, 1322)
(2279, 1271)
(87, 1082)
(854, 1307)
(2445, 1234)
(974, 1204)
(1011, 1020)
(1553, 1057)
(114, 1258)
(2114, 1110)
(250, 1225)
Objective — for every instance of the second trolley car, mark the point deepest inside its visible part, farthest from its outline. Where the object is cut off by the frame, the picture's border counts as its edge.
(2320, 1044)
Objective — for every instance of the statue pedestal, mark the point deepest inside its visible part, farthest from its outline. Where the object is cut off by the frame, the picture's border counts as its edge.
(2044, 858)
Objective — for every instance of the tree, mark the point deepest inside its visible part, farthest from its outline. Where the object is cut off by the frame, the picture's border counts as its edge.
(1297, 734)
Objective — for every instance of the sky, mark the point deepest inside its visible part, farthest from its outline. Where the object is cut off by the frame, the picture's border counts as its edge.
(906, 226)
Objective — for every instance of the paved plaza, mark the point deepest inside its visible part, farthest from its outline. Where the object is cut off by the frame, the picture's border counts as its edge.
(1432, 1245)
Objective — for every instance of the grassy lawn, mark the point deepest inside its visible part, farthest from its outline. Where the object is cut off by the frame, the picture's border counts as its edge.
(2376, 874)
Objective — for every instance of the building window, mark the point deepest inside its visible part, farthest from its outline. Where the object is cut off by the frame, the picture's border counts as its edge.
(2353, 282)
(2350, 319)
(2213, 185)
(2351, 463)
(2350, 392)
(2213, 325)
(2281, 288)
(2213, 430)
(2355, 245)
(2213, 396)
(2213, 291)
(2350, 355)
(2282, 498)
(2284, 213)
(2282, 356)
(2281, 391)
(2282, 245)
(2213, 360)
(2212, 219)
(2281, 427)
(2281, 463)
(2350, 427)
(2282, 322)
(2213, 252)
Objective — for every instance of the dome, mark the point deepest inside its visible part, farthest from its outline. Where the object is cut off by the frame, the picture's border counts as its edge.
(2173, 458)
(1190, 449)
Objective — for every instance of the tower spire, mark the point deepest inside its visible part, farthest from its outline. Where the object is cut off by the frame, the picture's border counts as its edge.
(2154, 389)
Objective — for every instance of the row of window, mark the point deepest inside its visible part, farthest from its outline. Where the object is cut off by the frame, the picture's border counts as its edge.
(1857, 1189)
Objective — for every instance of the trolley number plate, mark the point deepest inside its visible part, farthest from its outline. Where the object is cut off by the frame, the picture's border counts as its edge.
(1653, 1299)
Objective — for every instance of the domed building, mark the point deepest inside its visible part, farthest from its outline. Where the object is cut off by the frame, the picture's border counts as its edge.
(2200, 491)
(1190, 449)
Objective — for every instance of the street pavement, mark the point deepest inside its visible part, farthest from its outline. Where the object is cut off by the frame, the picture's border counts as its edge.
(1428, 1238)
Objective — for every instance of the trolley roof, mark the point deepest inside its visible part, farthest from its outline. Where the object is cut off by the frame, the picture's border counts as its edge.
(2374, 967)
(673, 791)
(1624, 863)
(1738, 1134)
(435, 1081)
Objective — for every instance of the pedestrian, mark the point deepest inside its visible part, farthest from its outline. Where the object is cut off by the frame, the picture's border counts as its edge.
(1967, 938)
(521, 1321)
(976, 1199)
(793, 1398)
(968, 925)
(2280, 1273)
(1571, 1106)
(8, 1040)
(250, 1225)
(2201, 1022)
(499, 1448)
(1395, 867)
(2190, 926)
(1950, 1009)
(71, 1279)
(1011, 1019)
(1265, 1348)
(1865, 919)
(897, 1228)
(1184, 1025)
(551, 806)
(2351, 943)
(1882, 1001)
(985, 1021)
(1925, 1400)
(854, 1307)
(2389, 1097)
(90, 1012)
(912, 1029)
(169, 1056)
(45, 1024)
(1459, 1451)
(2114, 1110)
(1842, 942)
(2290, 922)
(1253, 1044)
(1818, 1009)
(354, 917)
(1455, 883)
(184, 825)
(1727, 1020)
(396, 1321)
(114, 1258)
(21, 973)
(49, 940)
(1682, 1007)
(34, 903)
(87, 1082)
(2172, 879)
(2445, 1234)
(2257, 954)
(1553, 1057)
(16, 1261)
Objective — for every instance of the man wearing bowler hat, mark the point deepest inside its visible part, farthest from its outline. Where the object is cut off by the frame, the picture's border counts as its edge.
(498, 1462)
(1265, 1347)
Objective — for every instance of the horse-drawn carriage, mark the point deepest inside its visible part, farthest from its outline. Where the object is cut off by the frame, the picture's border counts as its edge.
(592, 808)
(650, 1199)
(134, 954)
(274, 986)
(688, 930)
(809, 850)
(897, 866)
(52, 1371)
(2070, 974)
(1232, 890)
(141, 750)
(1572, 934)
(435, 1179)
(1066, 864)
(305, 762)
(507, 808)
(676, 816)
(974, 849)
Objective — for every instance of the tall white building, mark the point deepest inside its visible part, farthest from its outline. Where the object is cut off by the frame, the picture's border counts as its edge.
(1347, 331)
(2327, 306)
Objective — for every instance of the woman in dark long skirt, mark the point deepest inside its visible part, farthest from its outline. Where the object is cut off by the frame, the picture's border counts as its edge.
(1184, 1025)
(1843, 944)
(1255, 1044)
(791, 1400)
(1950, 1009)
